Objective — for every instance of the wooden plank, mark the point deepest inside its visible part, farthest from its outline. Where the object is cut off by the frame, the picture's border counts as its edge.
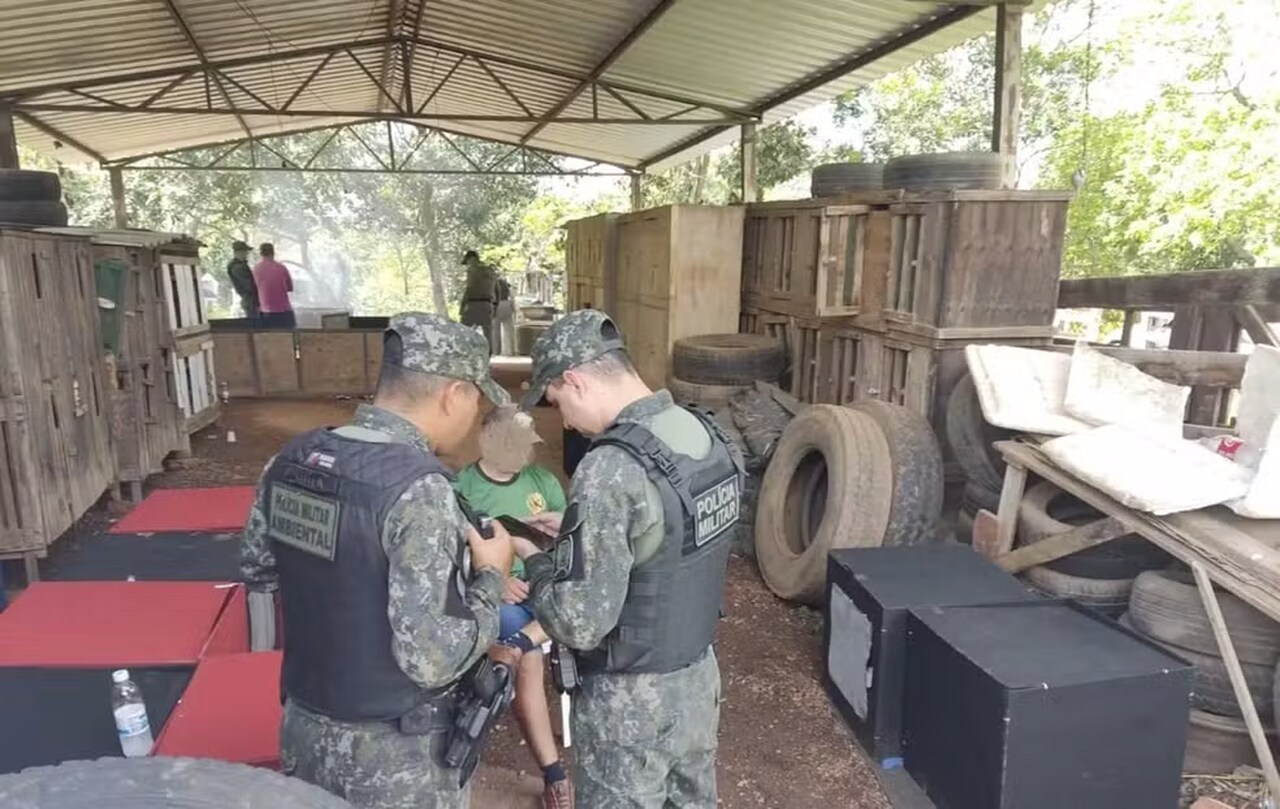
(233, 353)
(1240, 555)
(1233, 287)
(1064, 544)
(332, 363)
(277, 365)
(1210, 369)
(1236, 674)
(1015, 485)
(1258, 329)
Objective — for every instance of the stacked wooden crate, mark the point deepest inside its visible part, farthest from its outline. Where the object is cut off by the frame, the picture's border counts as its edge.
(878, 293)
(147, 420)
(56, 457)
(177, 265)
(662, 274)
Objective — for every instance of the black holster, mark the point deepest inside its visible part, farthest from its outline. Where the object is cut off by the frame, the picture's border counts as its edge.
(436, 716)
(564, 669)
(485, 694)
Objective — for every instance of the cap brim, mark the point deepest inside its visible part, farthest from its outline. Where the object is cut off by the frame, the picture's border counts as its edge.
(535, 395)
(494, 392)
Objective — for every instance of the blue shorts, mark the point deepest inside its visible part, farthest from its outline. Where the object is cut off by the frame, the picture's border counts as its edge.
(512, 618)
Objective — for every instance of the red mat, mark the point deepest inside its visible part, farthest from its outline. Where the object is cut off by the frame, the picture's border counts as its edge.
(230, 712)
(231, 633)
(88, 624)
(224, 508)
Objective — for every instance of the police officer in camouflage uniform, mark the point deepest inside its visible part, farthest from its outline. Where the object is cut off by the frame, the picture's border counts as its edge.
(634, 583)
(479, 294)
(359, 530)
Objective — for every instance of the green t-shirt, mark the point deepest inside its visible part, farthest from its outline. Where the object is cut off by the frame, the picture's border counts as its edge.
(533, 491)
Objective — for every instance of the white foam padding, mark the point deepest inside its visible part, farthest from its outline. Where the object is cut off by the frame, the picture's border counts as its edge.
(1023, 389)
(1148, 473)
(1258, 422)
(1104, 390)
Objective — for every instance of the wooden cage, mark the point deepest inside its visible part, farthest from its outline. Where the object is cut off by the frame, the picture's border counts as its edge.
(56, 455)
(662, 274)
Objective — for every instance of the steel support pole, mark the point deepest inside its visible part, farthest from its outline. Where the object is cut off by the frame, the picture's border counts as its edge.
(637, 192)
(1008, 90)
(8, 140)
(117, 197)
(750, 165)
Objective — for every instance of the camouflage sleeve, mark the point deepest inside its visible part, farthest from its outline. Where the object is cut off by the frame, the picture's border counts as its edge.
(434, 638)
(257, 561)
(581, 609)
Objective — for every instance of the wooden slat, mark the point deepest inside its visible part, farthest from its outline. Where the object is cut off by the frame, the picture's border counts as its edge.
(1064, 544)
(1171, 291)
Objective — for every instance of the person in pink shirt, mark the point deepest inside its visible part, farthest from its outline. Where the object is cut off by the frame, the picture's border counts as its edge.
(274, 285)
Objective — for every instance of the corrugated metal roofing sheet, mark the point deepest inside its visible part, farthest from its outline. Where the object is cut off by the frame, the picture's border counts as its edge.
(125, 238)
(737, 54)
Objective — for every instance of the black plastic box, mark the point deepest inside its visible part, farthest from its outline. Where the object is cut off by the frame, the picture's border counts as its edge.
(1041, 706)
(869, 594)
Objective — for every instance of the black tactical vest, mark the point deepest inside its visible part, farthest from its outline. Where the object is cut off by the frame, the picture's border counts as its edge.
(673, 599)
(326, 500)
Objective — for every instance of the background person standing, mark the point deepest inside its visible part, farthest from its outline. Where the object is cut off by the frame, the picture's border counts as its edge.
(242, 278)
(274, 285)
(479, 295)
(504, 320)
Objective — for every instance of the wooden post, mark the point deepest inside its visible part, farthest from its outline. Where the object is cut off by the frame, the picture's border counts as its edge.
(750, 165)
(1236, 675)
(117, 197)
(8, 140)
(637, 192)
(1008, 89)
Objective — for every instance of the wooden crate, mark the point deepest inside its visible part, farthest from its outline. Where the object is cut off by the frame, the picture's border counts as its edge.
(678, 274)
(55, 445)
(985, 268)
(591, 262)
(302, 362)
(815, 259)
(941, 265)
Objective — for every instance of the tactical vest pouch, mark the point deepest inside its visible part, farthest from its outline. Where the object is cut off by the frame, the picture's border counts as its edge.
(564, 669)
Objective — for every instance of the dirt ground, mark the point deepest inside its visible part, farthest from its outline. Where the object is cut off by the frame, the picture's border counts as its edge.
(781, 744)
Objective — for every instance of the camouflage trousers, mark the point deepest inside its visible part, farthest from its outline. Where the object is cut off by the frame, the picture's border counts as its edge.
(648, 741)
(478, 313)
(368, 764)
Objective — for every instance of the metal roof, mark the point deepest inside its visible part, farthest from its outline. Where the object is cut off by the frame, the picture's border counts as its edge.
(635, 83)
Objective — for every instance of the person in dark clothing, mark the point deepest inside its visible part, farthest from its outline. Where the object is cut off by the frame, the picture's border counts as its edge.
(242, 279)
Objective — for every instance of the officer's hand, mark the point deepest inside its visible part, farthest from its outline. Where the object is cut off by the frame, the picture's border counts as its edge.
(548, 521)
(508, 656)
(495, 553)
(515, 590)
(524, 548)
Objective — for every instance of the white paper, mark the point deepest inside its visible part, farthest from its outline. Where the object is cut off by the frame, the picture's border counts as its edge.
(849, 656)
(1023, 389)
(1148, 473)
(1104, 390)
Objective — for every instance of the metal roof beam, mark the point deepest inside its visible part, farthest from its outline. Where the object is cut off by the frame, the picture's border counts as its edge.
(604, 64)
(231, 145)
(238, 111)
(204, 60)
(840, 69)
(619, 172)
(384, 73)
(57, 134)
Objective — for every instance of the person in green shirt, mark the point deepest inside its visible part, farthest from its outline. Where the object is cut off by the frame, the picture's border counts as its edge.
(505, 482)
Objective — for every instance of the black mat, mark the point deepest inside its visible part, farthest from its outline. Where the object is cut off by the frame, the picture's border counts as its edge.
(55, 715)
(147, 557)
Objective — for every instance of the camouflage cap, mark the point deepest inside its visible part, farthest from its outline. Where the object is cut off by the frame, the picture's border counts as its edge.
(577, 338)
(433, 344)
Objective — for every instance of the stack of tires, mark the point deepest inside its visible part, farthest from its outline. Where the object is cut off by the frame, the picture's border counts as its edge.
(709, 369)
(844, 477)
(972, 442)
(834, 179)
(1100, 577)
(31, 198)
(1166, 608)
(945, 171)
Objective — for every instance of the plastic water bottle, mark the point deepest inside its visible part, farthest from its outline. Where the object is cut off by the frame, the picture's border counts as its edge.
(131, 715)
